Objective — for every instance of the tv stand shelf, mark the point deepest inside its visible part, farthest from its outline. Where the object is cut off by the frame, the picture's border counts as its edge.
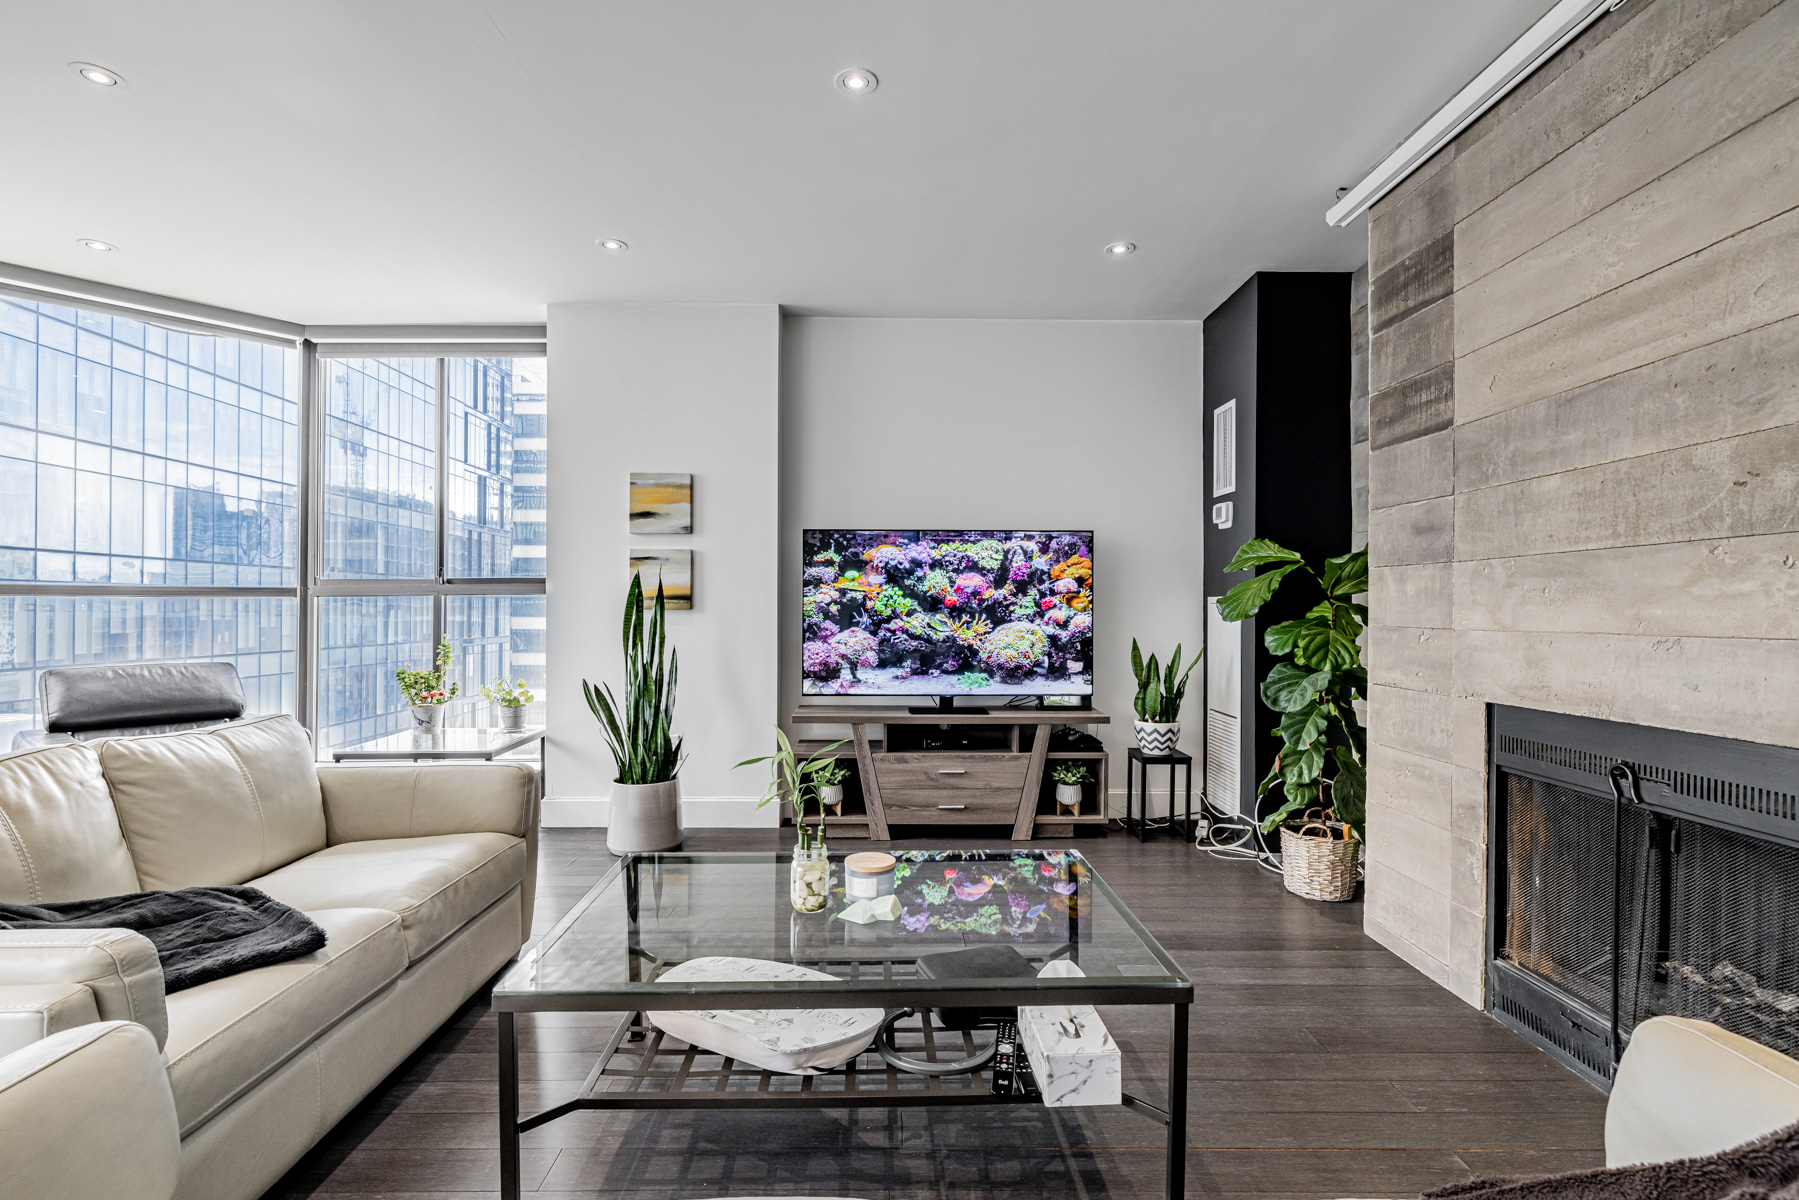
(993, 780)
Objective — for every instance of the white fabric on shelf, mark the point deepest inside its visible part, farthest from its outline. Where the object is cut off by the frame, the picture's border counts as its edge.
(793, 1041)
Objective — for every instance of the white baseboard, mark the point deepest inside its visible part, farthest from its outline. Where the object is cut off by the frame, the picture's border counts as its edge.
(697, 812)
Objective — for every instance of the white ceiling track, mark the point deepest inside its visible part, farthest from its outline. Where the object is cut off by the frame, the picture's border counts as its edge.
(1559, 26)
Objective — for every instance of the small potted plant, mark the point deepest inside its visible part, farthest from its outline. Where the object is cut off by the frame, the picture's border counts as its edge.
(809, 876)
(829, 779)
(1158, 702)
(1069, 777)
(510, 696)
(428, 691)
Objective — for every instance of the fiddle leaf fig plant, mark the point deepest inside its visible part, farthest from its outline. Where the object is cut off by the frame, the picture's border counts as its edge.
(1323, 755)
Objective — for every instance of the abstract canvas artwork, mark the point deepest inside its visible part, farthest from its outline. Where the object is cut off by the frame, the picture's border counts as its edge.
(661, 502)
(673, 567)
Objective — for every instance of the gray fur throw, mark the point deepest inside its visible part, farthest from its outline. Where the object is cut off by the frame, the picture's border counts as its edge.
(1765, 1169)
(200, 933)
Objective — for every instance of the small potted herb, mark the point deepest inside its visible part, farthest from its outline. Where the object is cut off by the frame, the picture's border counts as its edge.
(1069, 777)
(829, 779)
(428, 691)
(510, 696)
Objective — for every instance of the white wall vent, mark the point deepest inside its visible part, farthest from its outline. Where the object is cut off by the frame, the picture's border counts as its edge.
(1224, 448)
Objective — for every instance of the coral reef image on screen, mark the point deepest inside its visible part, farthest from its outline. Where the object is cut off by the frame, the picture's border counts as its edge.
(925, 613)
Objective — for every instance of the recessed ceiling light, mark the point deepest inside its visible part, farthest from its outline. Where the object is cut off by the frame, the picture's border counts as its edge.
(97, 75)
(101, 247)
(1121, 248)
(612, 244)
(857, 81)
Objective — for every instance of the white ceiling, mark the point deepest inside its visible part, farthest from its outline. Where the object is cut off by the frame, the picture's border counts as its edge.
(455, 160)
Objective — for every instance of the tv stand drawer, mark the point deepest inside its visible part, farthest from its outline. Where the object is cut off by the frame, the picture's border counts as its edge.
(960, 772)
(964, 806)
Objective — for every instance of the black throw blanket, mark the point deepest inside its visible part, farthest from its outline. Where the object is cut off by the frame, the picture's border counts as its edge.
(1765, 1169)
(200, 933)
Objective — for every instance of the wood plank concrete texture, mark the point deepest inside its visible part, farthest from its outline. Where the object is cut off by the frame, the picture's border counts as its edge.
(1584, 425)
(1321, 1066)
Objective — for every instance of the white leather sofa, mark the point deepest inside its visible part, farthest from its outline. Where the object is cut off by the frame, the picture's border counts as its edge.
(421, 876)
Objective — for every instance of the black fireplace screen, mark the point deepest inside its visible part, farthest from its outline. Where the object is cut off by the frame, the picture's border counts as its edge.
(1691, 874)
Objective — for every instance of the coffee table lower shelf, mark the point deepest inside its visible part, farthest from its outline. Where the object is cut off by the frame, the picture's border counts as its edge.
(643, 1068)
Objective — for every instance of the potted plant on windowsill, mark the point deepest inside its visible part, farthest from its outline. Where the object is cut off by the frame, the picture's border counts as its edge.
(646, 794)
(809, 875)
(427, 692)
(1158, 702)
(1321, 765)
(509, 696)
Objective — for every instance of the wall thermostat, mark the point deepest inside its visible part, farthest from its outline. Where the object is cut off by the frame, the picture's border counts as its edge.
(1221, 514)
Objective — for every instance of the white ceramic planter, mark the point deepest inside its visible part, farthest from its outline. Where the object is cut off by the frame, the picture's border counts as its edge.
(831, 796)
(1068, 798)
(427, 718)
(644, 817)
(1158, 737)
(512, 717)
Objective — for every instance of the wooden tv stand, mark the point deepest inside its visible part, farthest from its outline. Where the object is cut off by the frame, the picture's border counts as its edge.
(990, 785)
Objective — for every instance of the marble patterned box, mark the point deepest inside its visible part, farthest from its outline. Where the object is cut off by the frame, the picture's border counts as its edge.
(1072, 1054)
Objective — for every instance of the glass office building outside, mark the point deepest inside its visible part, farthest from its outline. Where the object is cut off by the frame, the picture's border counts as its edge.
(136, 458)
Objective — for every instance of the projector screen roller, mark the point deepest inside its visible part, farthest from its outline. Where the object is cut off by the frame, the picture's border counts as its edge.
(980, 612)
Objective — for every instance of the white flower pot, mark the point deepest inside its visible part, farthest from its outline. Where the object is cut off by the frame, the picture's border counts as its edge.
(427, 718)
(1158, 737)
(831, 796)
(512, 717)
(644, 817)
(1068, 798)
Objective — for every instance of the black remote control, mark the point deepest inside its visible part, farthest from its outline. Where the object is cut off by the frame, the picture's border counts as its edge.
(1005, 1058)
(1024, 1080)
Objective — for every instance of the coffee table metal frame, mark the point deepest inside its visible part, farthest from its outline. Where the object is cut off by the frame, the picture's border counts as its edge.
(654, 1075)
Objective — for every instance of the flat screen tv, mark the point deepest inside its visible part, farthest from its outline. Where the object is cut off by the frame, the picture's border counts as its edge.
(978, 612)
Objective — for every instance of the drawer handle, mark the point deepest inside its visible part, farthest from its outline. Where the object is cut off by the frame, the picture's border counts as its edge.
(952, 806)
(952, 771)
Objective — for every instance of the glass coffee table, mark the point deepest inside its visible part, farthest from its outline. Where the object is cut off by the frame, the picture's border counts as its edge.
(653, 912)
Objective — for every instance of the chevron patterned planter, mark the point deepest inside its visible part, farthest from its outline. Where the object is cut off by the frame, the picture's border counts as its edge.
(1155, 737)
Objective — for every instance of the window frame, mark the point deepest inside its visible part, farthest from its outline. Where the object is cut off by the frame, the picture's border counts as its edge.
(312, 343)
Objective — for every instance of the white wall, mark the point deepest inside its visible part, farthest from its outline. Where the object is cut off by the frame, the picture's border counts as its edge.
(665, 388)
(974, 424)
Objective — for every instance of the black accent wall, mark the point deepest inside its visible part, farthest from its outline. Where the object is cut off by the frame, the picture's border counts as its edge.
(1280, 346)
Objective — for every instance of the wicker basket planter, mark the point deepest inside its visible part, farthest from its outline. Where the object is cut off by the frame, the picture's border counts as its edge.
(1317, 867)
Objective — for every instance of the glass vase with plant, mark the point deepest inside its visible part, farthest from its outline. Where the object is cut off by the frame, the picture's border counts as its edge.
(1069, 777)
(795, 781)
(639, 731)
(510, 696)
(426, 692)
(1321, 767)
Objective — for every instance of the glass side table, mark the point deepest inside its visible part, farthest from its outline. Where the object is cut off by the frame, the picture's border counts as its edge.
(446, 745)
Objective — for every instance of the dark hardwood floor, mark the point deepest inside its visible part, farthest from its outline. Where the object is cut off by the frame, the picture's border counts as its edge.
(1322, 1066)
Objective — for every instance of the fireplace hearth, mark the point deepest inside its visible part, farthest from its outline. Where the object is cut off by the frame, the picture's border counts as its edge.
(1637, 872)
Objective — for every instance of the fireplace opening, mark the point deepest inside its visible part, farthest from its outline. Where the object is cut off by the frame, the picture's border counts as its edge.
(1638, 872)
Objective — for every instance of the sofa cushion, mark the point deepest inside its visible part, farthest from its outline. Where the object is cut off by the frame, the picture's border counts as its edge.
(59, 835)
(226, 1035)
(216, 807)
(435, 884)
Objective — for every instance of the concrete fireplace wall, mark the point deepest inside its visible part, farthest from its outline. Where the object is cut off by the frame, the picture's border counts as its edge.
(1583, 452)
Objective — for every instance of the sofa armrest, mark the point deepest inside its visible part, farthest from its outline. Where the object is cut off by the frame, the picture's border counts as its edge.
(1687, 1088)
(88, 1112)
(366, 803)
(30, 1012)
(118, 966)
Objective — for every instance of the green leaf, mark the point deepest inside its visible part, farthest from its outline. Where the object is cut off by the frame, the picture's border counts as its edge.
(1303, 768)
(1137, 665)
(1280, 639)
(1304, 726)
(1247, 598)
(1275, 819)
(1260, 552)
(1290, 687)
(1346, 575)
(1349, 791)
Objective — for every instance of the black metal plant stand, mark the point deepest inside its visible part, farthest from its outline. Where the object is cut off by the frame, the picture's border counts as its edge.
(1137, 768)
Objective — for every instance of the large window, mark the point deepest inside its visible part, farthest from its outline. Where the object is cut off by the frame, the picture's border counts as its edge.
(153, 499)
(462, 556)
